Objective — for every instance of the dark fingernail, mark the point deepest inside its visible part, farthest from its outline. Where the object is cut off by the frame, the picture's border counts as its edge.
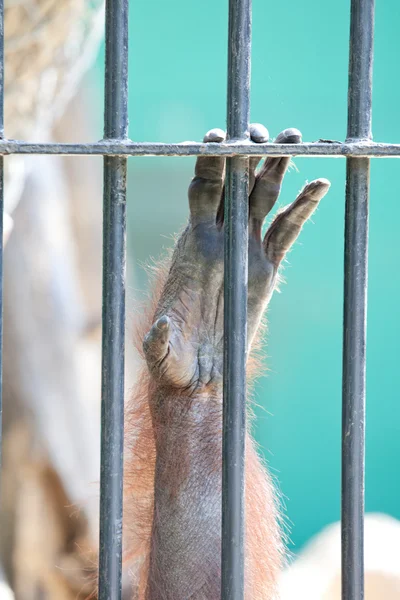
(317, 188)
(289, 136)
(163, 322)
(214, 135)
(259, 133)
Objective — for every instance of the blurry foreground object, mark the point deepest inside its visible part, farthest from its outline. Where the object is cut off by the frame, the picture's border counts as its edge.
(8, 224)
(52, 307)
(316, 572)
(48, 47)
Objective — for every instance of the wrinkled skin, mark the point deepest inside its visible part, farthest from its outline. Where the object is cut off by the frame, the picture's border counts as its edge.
(184, 348)
(184, 354)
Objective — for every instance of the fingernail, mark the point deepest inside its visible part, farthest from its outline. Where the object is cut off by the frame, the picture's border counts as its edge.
(289, 136)
(214, 135)
(163, 322)
(259, 133)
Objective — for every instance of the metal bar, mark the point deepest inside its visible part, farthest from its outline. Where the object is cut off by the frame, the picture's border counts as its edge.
(229, 148)
(113, 315)
(355, 301)
(1, 215)
(235, 305)
(360, 70)
(354, 346)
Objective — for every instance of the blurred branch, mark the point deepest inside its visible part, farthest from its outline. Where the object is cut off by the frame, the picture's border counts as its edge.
(49, 46)
(52, 290)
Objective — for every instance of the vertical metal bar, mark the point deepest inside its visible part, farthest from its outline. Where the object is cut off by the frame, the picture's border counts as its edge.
(235, 298)
(355, 301)
(113, 318)
(1, 214)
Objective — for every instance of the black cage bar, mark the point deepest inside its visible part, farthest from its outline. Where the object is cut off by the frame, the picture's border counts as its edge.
(113, 317)
(235, 304)
(355, 301)
(116, 147)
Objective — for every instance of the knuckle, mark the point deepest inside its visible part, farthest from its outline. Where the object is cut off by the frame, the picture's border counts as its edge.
(200, 187)
(146, 343)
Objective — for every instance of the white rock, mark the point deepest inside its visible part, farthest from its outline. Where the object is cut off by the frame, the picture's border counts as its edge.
(316, 572)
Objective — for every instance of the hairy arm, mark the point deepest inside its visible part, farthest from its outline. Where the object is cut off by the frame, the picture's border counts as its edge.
(184, 355)
(187, 500)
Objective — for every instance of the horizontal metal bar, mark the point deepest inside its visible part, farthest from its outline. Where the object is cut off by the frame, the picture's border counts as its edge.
(230, 148)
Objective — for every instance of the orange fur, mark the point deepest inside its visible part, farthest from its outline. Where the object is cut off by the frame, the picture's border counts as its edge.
(264, 547)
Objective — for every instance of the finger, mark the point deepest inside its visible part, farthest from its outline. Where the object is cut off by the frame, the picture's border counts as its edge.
(156, 342)
(285, 229)
(259, 135)
(206, 187)
(269, 181)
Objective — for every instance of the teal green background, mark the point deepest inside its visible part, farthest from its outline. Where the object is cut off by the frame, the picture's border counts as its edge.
(299, 79)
